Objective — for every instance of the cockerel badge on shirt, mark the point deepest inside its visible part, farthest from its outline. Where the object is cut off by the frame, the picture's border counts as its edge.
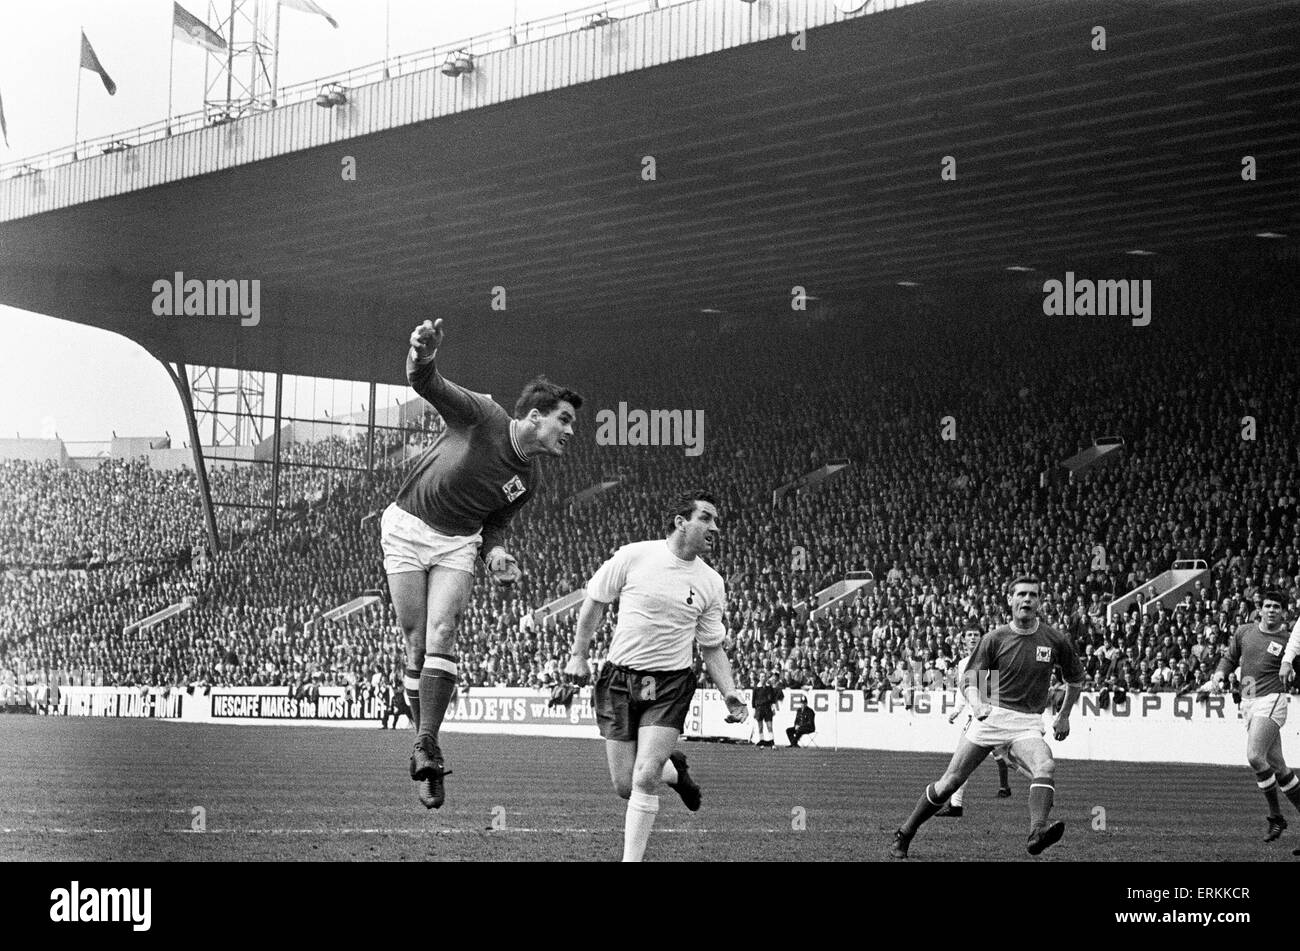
(514, 488)
(1044, 655)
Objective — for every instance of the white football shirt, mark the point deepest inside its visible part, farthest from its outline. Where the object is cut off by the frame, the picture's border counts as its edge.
(664, 604)
(961, 676)
(1292, 644)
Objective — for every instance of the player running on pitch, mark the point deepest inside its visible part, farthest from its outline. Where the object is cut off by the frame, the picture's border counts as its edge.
(953, 810)
(456, 504)
(1259, 649)
(1012, 666)
(668, 597)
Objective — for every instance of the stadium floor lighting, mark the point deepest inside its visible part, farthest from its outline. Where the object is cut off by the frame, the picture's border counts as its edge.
(1018, 268)
(1269, 234)
(908, 284)
(458, 63)
(331, 95)
(1138, 252)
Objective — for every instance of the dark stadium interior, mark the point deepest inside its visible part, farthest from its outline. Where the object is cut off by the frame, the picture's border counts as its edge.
(819, 168)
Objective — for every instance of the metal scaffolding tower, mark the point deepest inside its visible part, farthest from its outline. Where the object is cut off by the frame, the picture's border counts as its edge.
(241, 81)
(232, 405)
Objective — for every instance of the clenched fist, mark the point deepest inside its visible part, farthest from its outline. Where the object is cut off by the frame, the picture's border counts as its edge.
(502, 567)
(425, 340)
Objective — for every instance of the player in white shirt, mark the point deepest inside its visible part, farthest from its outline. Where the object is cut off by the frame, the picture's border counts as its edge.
(1287, 671)
(953, 810)
(669, 600)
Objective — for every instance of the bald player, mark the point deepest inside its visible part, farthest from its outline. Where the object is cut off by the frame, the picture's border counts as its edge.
(1007, 685)
(1259, 649)
(453, 509)
(669, 599)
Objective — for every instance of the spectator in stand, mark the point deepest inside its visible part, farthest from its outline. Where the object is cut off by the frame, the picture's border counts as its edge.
(931, 522)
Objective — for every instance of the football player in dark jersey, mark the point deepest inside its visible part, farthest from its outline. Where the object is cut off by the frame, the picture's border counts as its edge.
(453, 509)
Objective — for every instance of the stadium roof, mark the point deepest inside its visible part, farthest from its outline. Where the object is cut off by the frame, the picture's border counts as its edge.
(774, 167)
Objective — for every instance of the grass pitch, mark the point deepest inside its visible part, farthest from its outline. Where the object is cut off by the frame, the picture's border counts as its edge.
(106, 789)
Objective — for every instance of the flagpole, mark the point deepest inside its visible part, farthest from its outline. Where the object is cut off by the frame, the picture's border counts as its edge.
(76, 116)
(388, 16)
(171, 63)
(230, 60)
(275, 62)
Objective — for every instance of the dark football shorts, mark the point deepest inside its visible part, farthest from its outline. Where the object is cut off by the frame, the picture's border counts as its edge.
(765, 712)
(627, 700)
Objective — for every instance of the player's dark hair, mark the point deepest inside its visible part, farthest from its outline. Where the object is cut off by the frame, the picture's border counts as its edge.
(1274, 595)
(542, 395)
(684, 505)
(1025, 579)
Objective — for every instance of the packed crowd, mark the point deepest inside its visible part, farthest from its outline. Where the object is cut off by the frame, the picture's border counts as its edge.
(122, 510)
(941, 523)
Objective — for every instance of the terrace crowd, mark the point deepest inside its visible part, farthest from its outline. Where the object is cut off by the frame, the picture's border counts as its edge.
(954, 486)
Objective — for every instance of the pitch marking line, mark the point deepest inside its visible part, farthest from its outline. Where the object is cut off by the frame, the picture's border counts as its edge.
(378, 831)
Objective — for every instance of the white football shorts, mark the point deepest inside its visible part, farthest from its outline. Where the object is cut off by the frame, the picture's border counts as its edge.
(1270, 705)
(1002, 727)
(411, 545)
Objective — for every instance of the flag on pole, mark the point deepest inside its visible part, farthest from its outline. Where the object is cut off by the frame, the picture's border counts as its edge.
(307, 6)
(4, 130)
(188, 28)
(91, 62)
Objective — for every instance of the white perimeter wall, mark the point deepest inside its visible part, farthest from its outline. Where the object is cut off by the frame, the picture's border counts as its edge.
(1158, 728)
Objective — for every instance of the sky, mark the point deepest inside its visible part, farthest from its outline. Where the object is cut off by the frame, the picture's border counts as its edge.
(84, 383)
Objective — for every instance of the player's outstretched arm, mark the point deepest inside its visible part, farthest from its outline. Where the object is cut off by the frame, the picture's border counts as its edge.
(1228, 662)
(718, 665)
(1061, 725)
(979, 684)
(425, 341)
(590, 615)
(970, 689)
(456, 405)
(962, 702)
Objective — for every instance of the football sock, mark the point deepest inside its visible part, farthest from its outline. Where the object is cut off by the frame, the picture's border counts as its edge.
(1268, 786)
(925, 807)
(1290, 786)
(641, 810)
(1002, 773)
(958, 797)
(411, 687)
(437, 683)
(1041, 793)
